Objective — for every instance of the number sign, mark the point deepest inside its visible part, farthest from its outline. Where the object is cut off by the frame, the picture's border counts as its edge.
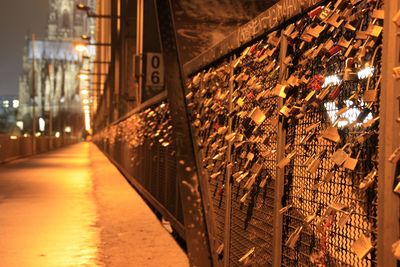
(154, 69)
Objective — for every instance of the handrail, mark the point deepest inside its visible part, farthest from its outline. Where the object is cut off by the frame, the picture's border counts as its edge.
(150, 102)
(272, 18)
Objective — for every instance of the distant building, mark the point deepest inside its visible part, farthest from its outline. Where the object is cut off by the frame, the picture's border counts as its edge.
(56, 64)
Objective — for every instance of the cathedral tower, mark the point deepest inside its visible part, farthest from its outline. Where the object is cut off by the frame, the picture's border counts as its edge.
(66, 22)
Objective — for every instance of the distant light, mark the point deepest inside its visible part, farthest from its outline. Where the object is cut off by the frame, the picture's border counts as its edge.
(57, 134)
(13, 137)
(67, 129)
(83, 76)
(38, 134)
(15, 103)
(331, 80)
(86, 107)
(20, 124)
(87, 121)
(42, 124)
(80, 47)
(84, 92)
(26, 135)
(6, 103)
(85, 101)
(86, 111)
(62, 99)
(365, 72)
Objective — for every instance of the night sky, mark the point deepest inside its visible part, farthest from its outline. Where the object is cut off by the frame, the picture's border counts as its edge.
(18, 18)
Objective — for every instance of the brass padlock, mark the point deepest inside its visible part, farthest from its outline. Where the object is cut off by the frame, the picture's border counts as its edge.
(350, 73)
(340, 155)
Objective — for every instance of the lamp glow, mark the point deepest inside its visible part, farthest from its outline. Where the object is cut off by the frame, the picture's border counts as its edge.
(15, 103)
(20, 124)
(347, 117)
(365, 72)
(87, 121)
(42, 124)
(331, 80)
(83, 76)
(80, 47)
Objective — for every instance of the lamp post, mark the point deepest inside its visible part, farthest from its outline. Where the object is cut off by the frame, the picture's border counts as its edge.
(87, 38)
(91, 14)
(33, 96)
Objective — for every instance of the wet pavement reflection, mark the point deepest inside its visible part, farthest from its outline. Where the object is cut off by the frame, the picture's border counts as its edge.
(47, 211)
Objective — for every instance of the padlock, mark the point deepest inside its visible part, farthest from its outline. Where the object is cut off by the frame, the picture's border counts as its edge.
(350, 73)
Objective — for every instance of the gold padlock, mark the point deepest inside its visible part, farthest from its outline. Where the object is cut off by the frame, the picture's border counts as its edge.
(350, 74)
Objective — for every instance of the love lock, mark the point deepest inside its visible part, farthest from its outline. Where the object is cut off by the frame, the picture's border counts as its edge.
(350, 71)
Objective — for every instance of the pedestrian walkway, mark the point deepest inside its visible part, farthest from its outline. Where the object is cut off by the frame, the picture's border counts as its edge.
(72, 207)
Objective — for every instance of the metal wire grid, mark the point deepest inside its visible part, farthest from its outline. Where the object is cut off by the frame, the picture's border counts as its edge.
(252, 219)
(331, 246)
(252, 222)
(209, 114)
(142, 145)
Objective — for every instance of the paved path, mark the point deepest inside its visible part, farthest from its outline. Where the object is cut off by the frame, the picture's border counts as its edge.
(71, 207)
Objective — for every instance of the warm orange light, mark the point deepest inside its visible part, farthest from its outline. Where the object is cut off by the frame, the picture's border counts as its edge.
(85, 101)
(87, 121)
(84, 92)
(80, 47)
(85, 37)
(81, 6)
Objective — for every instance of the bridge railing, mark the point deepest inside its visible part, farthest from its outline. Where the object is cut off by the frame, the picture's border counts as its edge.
(13, 147)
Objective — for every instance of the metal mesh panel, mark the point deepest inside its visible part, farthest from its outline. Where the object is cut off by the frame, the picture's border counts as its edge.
(331, 206)
(253, 206)
(209, 116)
(142, 145)
(253, 146)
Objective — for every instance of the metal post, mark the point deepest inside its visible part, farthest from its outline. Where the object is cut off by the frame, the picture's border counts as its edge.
(33, 96)
(139, 49)
(280, 173)
(191, 200)
(51, 102)
(209, 212)
(228, 180)
(388, 202)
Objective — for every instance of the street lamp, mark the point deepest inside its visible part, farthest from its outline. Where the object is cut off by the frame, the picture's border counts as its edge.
(91, 14)
(87, 38)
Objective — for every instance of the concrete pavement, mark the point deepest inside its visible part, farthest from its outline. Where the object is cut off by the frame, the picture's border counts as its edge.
(71, 207)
